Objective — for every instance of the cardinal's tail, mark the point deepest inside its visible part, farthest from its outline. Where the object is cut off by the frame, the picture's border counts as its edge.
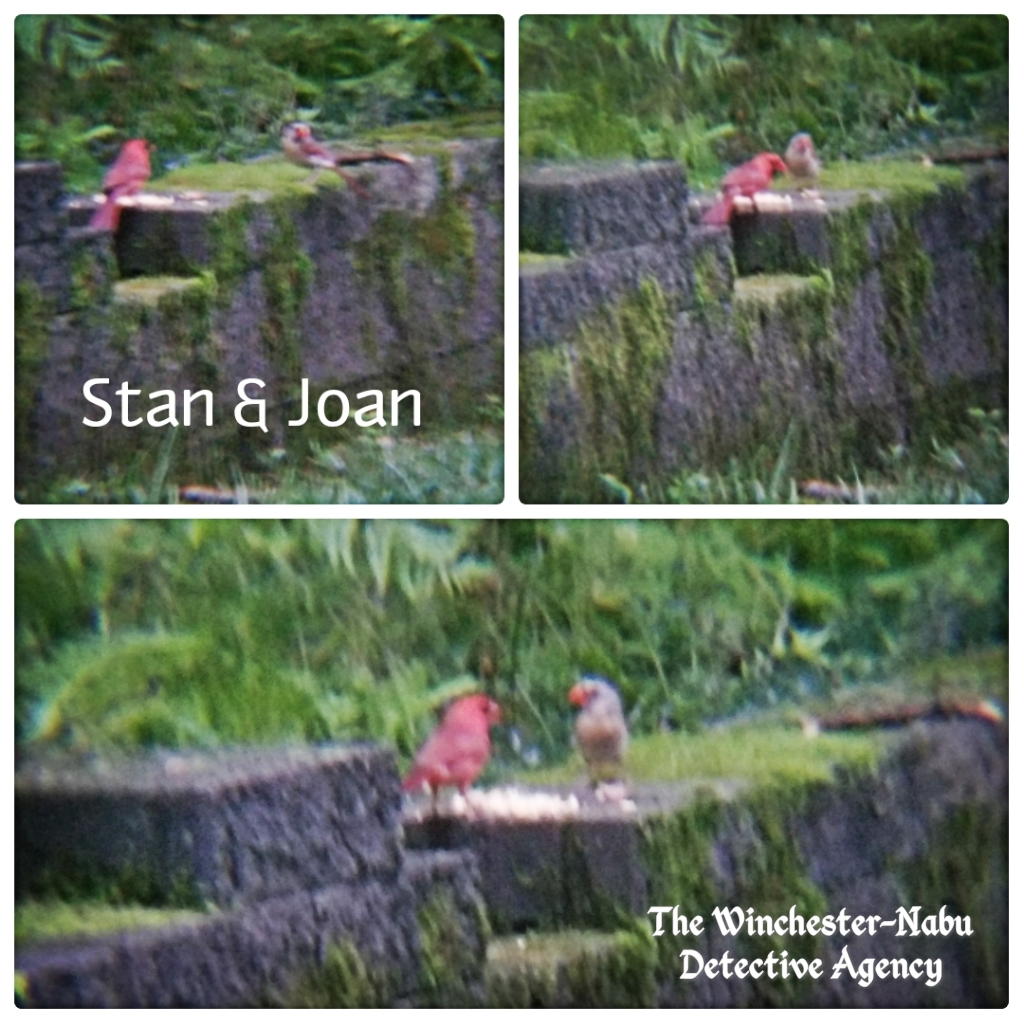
(107, 216)
(720, 213)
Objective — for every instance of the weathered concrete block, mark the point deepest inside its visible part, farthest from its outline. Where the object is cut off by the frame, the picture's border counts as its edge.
(556, 295)
(895, 326)
(232, 827)
(248, 957)
(541, 874)
(400, 291)
(40, 226)
(420, 933)
(171, 239)
(451, 916)
(869, 842)
(581, 208)
(38, 203)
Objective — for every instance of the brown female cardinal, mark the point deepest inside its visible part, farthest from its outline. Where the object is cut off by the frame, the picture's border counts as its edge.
(747, 179)
(458, 749)
(127, 174)
(802, 160)
(301, 148)
(600, 727)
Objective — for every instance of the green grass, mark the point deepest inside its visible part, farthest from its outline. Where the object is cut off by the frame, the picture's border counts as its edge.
(270, 175)
(751, 753)
(275, 174)
(375, 467)
(35, 921)
(972, 470)
(484, 124)
(882, 174)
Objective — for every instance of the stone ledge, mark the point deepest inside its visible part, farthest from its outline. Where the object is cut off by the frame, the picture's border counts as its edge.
(581, 208)
(555, 295)
(228, 827)
(228, 960)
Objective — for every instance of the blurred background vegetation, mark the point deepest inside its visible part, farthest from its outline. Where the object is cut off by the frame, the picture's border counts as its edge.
(704, 89)
(174, 633)
(220, 87)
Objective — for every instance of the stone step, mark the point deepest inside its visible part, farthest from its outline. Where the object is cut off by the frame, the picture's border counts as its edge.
(863, 837)
(362, 943)
(583, 208)
(573, 872)
(163, 233)
(39, 214)
(229, 827)
(571, 969)
(179, 232)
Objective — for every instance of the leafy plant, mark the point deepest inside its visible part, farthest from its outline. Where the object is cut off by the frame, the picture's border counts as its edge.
(219, 87)
(645, 85)
(176, 633)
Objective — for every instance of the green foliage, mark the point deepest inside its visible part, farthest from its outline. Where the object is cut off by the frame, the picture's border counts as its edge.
(962, 869)
(32, 316)
(751, 754)
(343, 981)
(971, 468)
(573, 968)
(451, 949)
(219, 87)
(371, 466)
(722, 87)
(619, 359)
(175, 633)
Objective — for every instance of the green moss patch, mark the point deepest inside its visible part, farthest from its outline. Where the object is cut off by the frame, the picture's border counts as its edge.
(482, 125)
(886, 174)
(542, 260)
(275, 174)
(93, 269)
(342, 981)
(451, 952)
(616, 365)
(150, 290)
(572, 969)
(964, 868)
(39, 920)
(32, 316)
(753, 754)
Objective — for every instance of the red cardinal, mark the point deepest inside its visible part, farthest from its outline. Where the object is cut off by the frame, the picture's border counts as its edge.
(802, 160)
(301, 148)
(753, 176)
(127, 174)
(458, 749)
(600, 727)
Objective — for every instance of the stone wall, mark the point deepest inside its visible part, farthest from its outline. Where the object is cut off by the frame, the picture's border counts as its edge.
(309, 891)
(294, 857)
(402, 290)
(862, 322)
(928, 828)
